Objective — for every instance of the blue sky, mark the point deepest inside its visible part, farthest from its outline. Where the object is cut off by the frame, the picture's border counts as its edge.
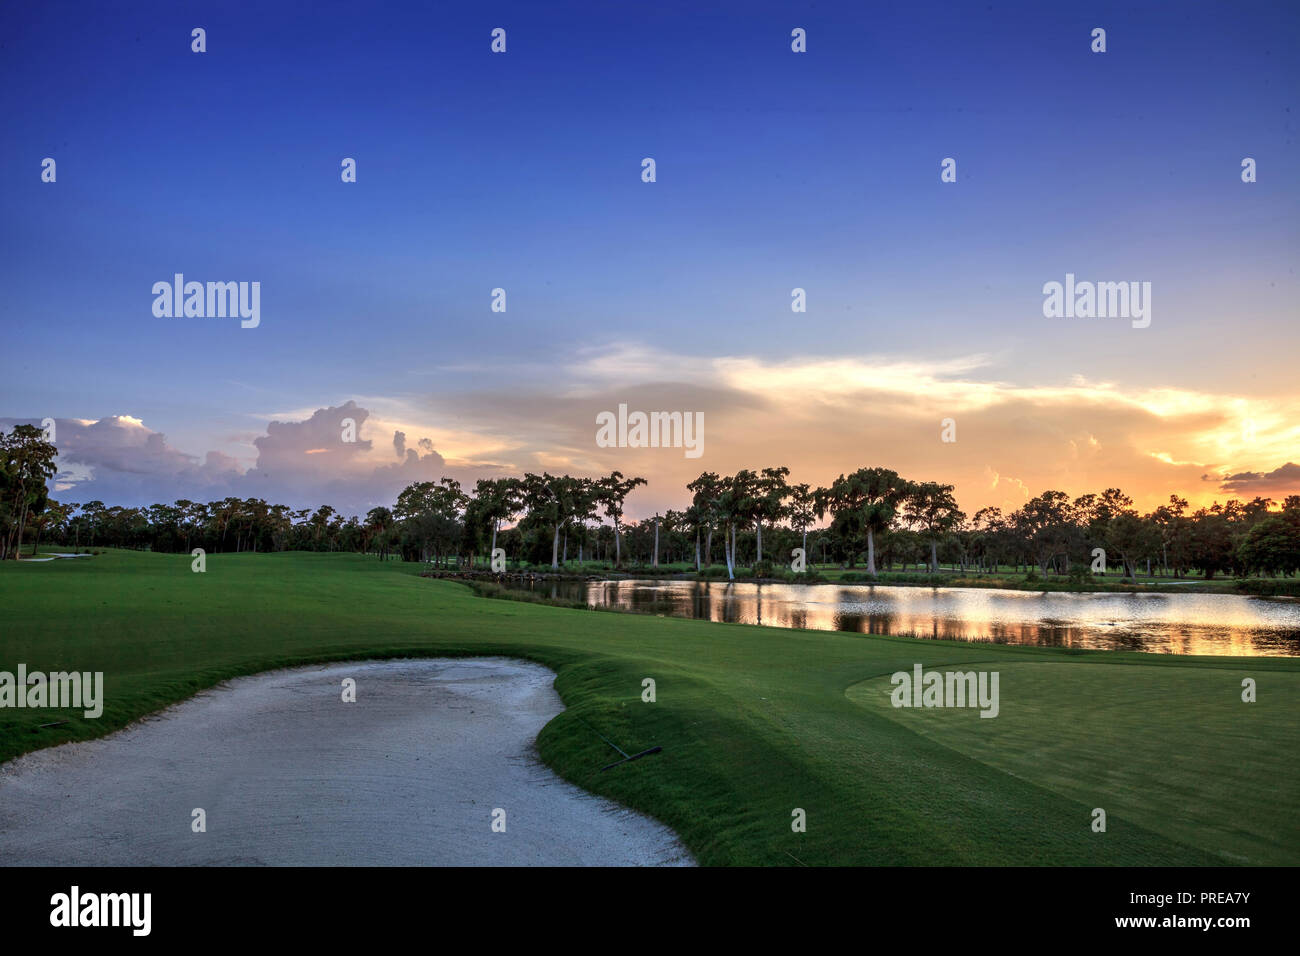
(522, 170)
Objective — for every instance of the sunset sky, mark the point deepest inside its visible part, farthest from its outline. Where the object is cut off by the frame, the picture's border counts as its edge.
(775, 170)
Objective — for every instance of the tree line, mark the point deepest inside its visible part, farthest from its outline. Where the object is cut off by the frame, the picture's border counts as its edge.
(751, 519)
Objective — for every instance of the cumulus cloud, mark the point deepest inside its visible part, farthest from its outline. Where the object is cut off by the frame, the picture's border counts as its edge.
(1016, 490)
(1281, 481)
(118, 458)
(322, 459)
(819, 415)
(824, 415)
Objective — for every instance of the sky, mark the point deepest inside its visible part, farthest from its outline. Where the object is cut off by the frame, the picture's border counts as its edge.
(774, 170)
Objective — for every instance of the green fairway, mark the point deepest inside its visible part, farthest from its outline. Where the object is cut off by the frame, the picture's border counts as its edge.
(1177, 752)
(754, 722)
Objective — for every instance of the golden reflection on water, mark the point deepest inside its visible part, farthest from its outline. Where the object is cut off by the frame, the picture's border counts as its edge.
(1214, 624)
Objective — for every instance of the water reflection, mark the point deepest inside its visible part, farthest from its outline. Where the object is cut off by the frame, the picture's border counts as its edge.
(1221, 624)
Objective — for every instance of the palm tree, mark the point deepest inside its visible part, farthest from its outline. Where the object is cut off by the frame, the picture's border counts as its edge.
(378, 521)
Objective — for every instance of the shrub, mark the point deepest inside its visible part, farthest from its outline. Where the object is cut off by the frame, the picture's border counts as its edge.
(1269, 586)
(1080, 574)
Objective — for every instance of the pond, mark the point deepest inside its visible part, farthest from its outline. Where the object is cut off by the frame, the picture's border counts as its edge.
(1221, 624)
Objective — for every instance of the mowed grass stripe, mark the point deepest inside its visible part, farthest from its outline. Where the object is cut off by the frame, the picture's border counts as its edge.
(1175, 750)
(754, 721)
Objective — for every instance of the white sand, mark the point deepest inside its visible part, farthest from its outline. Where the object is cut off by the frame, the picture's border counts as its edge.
(289, 774)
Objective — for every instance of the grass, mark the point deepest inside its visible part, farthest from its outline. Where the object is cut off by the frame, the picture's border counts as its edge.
(1068, 744)
(754, 722)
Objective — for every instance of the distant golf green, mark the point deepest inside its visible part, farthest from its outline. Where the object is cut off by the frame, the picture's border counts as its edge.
(754, 722)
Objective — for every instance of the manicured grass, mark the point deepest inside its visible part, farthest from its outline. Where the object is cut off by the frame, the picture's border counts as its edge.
(1082, 744)
(754, 722)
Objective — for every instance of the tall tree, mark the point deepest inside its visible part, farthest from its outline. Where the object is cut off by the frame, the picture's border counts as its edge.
(873, 495)
(51, 516)
(931, 508)
(1172, 527)
(768, 502)
(734, 507)
(553, 501)
(705, 490)
(802, 511)
(1043, 524)
(585, 503)
(611, 494)
(431, 514)
(379, 521)
(26, 464)
(499, 499)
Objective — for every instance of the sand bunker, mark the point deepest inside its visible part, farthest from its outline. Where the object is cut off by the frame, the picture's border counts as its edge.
(289, 774)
